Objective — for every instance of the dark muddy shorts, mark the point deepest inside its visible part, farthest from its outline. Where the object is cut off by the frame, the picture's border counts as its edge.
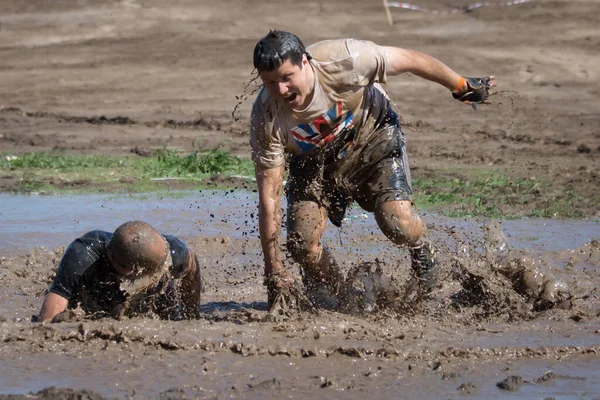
(378, 174)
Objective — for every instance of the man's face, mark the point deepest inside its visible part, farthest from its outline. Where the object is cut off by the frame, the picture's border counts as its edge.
(290, 83)
(124, 271)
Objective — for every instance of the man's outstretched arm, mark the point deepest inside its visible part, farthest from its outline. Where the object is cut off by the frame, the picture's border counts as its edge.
(53, 305)
(405, 60)
(270, 182)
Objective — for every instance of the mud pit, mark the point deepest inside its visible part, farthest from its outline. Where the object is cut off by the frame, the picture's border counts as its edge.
(169, 75)
(478, 329)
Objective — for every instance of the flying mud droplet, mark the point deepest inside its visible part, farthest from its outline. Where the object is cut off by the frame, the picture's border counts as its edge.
(368, 289)
(495, 242)
(556, 292)
(247, 92)
(529, 280)
(532, 281)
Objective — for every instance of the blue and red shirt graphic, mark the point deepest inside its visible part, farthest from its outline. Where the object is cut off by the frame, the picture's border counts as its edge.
(322, 130)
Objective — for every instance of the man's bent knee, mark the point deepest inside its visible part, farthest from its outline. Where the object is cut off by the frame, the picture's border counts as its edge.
(398, 222)
(301, 251)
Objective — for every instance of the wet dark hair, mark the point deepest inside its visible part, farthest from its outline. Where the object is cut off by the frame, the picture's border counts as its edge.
(276, 48)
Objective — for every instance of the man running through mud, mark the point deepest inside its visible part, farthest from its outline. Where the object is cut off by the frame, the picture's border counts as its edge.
(327, 107)
(133, 271)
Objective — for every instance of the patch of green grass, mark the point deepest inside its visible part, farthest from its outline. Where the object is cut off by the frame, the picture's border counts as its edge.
(561, 205)
(35, 186)
(489, 195)
(167, 163)
(58, 161)
(170, 164)
(57, 172)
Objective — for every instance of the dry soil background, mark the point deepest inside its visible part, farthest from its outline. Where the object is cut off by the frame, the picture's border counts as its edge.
(169, 73)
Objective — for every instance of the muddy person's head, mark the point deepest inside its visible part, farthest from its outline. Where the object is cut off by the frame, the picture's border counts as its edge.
(283, 64)
(136, 249)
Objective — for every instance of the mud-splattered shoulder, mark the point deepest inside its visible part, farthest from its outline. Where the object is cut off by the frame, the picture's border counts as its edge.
(83, 254)
(180, 255)
(262, 111)
(97, 240)
(265, 140)
(349, 62)
(329, 51)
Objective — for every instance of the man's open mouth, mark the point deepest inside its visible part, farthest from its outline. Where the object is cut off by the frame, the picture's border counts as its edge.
(291, 98)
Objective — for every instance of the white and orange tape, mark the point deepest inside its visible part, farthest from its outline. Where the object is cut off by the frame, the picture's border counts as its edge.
(446, 11)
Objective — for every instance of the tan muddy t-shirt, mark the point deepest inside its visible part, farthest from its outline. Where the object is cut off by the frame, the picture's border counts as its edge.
(348, 96)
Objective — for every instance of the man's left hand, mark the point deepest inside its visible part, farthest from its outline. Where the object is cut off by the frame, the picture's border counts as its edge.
(477, 91)
(285, 296)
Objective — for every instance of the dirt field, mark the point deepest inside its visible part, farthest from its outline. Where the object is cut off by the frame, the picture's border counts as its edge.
(170, 74)
(110, 76)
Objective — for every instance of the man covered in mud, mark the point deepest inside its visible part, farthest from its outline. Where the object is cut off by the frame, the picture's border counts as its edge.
(326, 110)
(133, 271)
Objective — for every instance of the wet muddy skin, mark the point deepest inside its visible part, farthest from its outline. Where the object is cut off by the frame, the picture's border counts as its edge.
(478, 328)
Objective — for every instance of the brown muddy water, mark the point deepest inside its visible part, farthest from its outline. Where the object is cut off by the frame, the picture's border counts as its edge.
(481, 334)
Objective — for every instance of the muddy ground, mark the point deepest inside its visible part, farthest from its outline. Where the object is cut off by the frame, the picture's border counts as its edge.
(480, 327)
(110, 77)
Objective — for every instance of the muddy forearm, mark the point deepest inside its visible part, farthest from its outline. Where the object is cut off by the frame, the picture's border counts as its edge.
(269, 228)
(423, 65)
(53, 304)
(269, 217)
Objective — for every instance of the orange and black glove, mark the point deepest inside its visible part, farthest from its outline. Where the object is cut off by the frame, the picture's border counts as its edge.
(477, 90)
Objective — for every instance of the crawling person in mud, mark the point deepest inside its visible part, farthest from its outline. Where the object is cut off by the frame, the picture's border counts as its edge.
(133, 271)
(326, 110)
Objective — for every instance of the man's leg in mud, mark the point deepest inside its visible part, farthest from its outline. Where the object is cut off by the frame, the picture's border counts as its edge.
(306, 222)
(387, 192)
(385, 189)
(401, 225)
